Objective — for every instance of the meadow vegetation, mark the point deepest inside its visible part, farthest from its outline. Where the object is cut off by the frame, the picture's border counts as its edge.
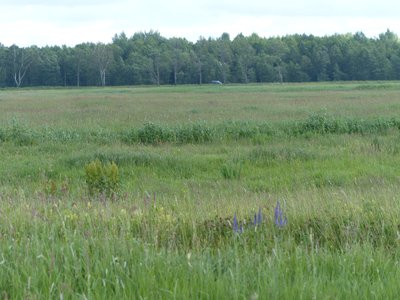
(132, 192)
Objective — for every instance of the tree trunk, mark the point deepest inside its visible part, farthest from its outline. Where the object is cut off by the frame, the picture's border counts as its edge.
(18, 79)
(78, 75)
(175, 76)
(158, 74)
(20, 67)
(278, 68)
(200, 74)
(103, 77)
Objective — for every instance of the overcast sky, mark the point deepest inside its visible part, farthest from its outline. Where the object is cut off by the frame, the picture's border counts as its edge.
(70, 22)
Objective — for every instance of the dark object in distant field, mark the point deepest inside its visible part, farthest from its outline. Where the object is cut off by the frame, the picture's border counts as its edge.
(216, 82)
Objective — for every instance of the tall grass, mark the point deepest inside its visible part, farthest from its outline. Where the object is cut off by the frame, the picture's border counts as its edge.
(66, 248)
(201, 132)
(186, 167)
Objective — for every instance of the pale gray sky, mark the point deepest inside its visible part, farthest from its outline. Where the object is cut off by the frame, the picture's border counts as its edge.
(69, 22)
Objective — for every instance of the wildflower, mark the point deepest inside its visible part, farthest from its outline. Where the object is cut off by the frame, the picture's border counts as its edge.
(235, 224)
(258, 218)
(280, 219)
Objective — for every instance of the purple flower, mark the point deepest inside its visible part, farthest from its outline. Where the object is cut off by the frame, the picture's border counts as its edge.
(280, 219)
(235, 224)
(258, 218)
(236, 227)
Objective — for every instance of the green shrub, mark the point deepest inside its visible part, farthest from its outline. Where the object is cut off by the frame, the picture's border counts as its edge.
(318, 123)
(102, 178)
(18, 133)
(152, 133)
(194, 133)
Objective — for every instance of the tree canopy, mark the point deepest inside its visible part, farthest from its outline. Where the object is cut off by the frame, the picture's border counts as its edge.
(149, 58)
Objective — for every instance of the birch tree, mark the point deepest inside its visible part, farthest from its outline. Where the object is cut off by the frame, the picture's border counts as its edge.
(103, 56)
(22, 60)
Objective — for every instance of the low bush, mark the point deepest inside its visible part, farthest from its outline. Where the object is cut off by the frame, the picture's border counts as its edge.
(200, 132)
(102, 178)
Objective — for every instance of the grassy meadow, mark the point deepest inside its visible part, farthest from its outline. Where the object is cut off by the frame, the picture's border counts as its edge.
(183, 161)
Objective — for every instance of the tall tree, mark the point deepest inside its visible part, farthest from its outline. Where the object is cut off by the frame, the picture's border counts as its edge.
(224, 56)
(22, 60)
(321, 62)
(179, 56)
(149, 58)
(45, 68)
(103, 56)
(200, 56)
(65, 61)
(80, 55)
(156, 49)
(208, 66)
(244, 55)
(122, 71)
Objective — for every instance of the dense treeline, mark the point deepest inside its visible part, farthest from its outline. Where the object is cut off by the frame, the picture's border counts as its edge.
(149, 58)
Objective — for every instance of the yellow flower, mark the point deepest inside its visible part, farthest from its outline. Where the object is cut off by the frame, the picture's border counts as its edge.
(71, 216)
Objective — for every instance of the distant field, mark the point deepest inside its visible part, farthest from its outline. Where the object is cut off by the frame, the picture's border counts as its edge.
(123, 107)
(189, 158)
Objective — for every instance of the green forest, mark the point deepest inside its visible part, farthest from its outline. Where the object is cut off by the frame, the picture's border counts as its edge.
(148, 58)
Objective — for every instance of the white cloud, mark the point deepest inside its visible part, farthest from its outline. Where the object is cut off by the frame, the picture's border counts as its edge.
(340, 8)
(53, 3)
(70, 22)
